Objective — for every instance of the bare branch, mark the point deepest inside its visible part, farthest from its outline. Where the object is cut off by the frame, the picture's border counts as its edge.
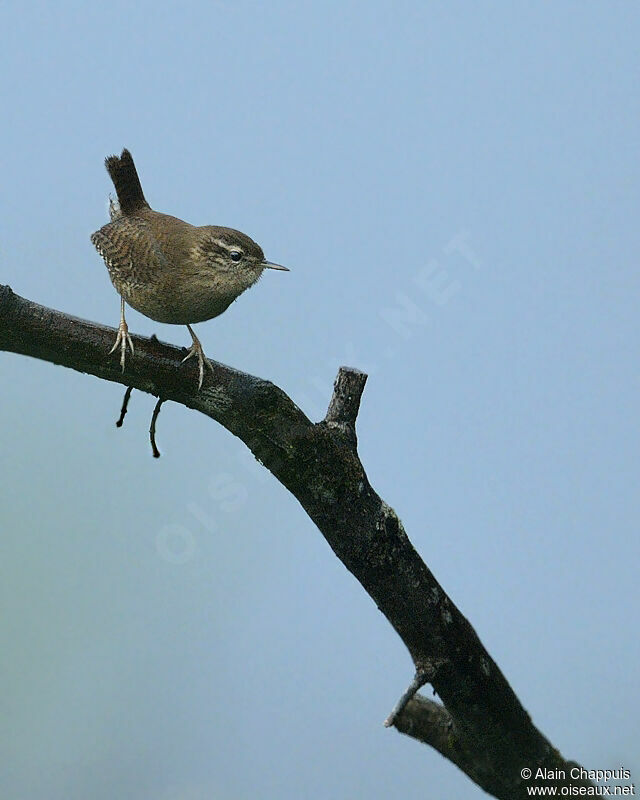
(431, 723)
(483, 728)
(345, 402)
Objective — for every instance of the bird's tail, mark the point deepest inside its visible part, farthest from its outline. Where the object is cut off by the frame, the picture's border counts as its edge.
(122, 172)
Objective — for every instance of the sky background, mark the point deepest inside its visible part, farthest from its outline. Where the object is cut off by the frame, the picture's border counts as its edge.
(455, 188)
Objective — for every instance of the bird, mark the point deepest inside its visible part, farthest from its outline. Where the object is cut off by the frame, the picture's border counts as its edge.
(167, 269)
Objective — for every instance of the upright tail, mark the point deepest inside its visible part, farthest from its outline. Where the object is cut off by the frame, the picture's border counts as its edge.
(122, 172)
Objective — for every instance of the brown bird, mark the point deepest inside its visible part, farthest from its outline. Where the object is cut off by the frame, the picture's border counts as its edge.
(167, 269)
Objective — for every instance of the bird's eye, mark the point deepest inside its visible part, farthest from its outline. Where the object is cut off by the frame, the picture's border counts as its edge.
(235, 255)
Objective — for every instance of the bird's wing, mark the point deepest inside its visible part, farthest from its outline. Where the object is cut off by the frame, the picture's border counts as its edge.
(130, 251)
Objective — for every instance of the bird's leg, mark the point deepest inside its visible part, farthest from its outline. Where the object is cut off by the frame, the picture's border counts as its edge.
(122, 339)
(196, 350)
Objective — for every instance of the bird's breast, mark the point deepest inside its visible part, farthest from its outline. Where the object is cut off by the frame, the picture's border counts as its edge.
(179, 305)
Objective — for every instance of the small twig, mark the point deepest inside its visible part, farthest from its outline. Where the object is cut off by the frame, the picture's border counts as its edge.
(125, 406)
(425, 673)
(419, 680)
(152, 429)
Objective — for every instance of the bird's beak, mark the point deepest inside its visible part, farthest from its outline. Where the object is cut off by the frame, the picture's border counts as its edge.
(271, 265)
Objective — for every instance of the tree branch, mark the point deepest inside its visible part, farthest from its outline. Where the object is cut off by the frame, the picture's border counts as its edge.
(482, 727)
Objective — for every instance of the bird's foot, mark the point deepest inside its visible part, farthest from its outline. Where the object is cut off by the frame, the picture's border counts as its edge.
(196, 350)
(122, 340)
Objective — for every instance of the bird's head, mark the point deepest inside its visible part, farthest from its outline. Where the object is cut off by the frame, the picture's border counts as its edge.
(232, 254)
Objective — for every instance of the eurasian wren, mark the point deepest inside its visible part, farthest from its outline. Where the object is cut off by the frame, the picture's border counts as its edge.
(167, 269)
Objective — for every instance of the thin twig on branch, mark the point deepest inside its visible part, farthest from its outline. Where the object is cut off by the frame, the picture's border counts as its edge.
(481, 726)
(125, 407)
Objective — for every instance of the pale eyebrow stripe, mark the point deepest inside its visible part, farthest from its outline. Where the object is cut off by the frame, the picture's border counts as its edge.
(227, 246)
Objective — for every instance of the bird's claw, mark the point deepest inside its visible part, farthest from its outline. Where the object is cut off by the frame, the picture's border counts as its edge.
(122, 340)
(196, 350)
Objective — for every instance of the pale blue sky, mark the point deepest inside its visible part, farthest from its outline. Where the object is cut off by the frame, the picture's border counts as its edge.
(178, 629)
